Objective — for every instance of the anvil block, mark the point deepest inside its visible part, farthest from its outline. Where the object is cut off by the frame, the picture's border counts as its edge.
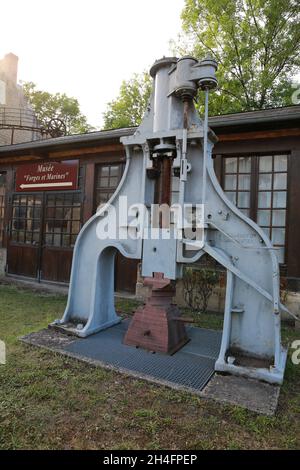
(157, 329)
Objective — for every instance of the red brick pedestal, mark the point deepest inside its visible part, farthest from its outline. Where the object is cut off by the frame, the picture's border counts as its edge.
(157, 325)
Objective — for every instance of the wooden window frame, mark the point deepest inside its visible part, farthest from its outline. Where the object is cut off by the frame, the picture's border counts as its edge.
(98, 189)
(254, 189)
(29, 207)
(61, 220)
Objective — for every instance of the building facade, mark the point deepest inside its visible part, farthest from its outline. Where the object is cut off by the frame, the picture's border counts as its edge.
(257, 161)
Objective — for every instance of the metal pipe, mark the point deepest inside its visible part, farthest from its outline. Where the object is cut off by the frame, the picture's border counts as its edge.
(205, 132)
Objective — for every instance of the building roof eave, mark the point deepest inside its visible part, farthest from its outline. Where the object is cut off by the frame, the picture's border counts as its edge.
(69, 140)
(284, 114)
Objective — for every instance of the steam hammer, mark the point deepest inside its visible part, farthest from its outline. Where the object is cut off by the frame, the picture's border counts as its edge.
(172, 140)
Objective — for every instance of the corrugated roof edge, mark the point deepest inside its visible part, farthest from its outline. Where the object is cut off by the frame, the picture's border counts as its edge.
(225, 120)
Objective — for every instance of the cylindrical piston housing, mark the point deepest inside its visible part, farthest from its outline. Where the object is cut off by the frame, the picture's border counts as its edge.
(159, 71)
(184, 86)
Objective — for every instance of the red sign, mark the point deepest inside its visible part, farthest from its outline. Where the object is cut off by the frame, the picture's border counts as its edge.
(50, 176)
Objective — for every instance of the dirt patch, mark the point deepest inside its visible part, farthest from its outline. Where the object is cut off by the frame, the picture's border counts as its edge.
(249, 361)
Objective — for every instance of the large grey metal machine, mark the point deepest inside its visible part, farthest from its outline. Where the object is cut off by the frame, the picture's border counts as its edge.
(173, 133)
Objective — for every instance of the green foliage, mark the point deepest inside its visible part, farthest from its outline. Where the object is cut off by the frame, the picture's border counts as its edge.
(198, 286)
(129, 107)
(256, 44)
(58, 105)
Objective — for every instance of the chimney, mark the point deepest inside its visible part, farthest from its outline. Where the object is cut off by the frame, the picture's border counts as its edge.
(10, 67)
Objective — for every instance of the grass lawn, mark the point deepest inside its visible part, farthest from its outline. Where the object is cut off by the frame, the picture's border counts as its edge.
(52, 402)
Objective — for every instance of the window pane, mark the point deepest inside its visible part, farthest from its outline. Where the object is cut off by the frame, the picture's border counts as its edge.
(244, 164)
(67, 213)
(280, 163)
(244, 182)
(280, 181)
(279, 199)
(37, 212)
(230, 182)
(28, 238)
(36, 237)
(278, 236)
(231, 165)
(36, 224)
(66, 240)
(59, 213)
(263, 217)
(267, 231)
(246, 212)
(59, 200)
(23, 200)
(113, 182)
(264, 199)
(21, 236)
(104, 170)
(30, 200)
(50, 200)
(28, 224)
(244, 200)
(75, 227)
(114, 170)
(73, 239)
(265, 164)
(56, 239)
(265, 181)
(76, 213)
(48, 239)
(231, 196)
(103, 182)
(16, 212)
(278, 218)
(66, 199)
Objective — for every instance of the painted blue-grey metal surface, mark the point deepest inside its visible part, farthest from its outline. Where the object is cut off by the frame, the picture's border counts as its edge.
(191, 367)
(252, 310)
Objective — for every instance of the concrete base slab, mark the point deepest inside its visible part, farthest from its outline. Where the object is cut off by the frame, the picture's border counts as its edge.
(190, 369)
(252, 394)
(49, 338)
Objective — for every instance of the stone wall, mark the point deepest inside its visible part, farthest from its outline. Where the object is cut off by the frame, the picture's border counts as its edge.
(14, 108)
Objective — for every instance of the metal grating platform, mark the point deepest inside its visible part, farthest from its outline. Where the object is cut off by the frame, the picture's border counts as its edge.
(190, 368)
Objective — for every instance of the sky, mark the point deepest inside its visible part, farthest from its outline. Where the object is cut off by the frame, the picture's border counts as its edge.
(85, 48)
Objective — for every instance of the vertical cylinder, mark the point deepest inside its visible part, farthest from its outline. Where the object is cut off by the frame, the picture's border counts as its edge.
(159, 71)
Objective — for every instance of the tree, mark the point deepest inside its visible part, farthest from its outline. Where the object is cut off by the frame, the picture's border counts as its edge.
(256, 44)
(128, 108)
(48, 106)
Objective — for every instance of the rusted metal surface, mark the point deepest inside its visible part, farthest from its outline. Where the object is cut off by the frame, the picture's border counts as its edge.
(56, 127)
(156, 326)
